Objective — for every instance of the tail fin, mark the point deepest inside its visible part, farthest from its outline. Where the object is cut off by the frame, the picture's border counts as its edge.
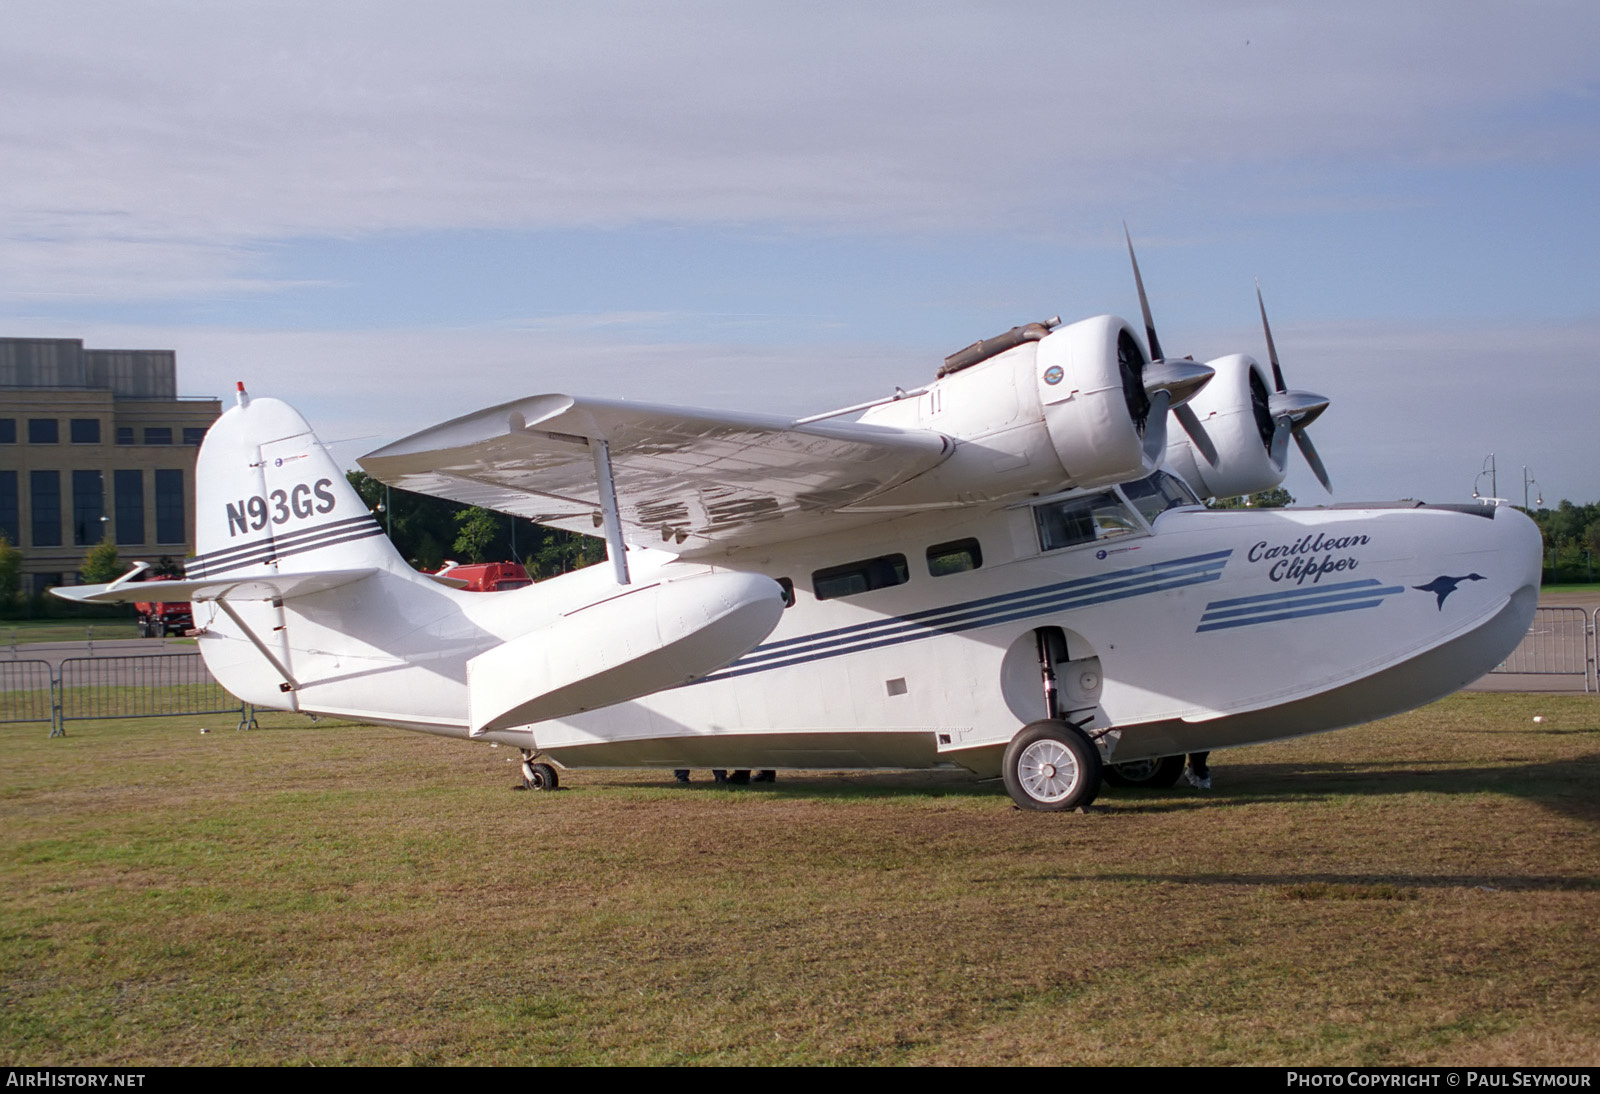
(269, 499)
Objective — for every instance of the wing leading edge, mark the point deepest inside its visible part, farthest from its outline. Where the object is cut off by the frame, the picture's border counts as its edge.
(684, 479)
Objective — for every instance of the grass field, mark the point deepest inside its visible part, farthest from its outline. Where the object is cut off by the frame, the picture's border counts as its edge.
(1422, 890)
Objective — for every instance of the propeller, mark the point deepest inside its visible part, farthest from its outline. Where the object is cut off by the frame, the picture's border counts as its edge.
(1291, 411)
(1171, 383)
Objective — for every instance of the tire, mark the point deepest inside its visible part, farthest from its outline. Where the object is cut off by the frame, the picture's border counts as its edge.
(540, 777)
(1051, 767)
(1160, 773)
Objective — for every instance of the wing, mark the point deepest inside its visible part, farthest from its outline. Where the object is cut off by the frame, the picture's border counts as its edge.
(684, 479)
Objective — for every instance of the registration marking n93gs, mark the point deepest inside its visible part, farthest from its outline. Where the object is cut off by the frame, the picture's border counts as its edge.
(300, 501)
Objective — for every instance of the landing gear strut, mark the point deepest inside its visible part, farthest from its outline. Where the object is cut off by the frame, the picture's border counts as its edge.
(538, 776)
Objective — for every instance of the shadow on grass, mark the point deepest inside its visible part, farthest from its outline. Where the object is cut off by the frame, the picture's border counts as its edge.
(1566, 787)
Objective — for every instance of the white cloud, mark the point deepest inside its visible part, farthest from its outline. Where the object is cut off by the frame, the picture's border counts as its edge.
(168, 137)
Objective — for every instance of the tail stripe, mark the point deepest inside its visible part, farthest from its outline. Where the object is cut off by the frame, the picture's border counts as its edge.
(228, 555)
(274, 548)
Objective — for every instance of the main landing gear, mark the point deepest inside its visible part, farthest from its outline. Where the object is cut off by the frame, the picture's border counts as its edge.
(1051, 767)
(538, 776)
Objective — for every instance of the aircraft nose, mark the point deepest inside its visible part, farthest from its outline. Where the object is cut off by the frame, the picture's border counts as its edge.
(1522, 546)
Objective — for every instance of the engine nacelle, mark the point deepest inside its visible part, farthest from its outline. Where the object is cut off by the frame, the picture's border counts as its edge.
(1233, 410)
(1089, 378)
(1057, 409)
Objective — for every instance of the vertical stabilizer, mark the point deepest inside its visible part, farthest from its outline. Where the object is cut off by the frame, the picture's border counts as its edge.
(270, 499)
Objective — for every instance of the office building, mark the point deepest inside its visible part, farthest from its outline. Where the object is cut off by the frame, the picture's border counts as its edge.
(95, 443)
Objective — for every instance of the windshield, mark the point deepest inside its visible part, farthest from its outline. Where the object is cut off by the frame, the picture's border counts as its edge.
(1158, 493)
(1083, 520)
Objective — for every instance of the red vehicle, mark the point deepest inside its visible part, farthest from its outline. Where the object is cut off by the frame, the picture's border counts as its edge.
(158, 619)
(487, 577)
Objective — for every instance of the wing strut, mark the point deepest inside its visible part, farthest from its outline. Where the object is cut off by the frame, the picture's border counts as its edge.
(608, 509)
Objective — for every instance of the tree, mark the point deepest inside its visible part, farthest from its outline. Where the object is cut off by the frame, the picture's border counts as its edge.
(10, 572)
(478, 528)
(101, 564)
(425, 528)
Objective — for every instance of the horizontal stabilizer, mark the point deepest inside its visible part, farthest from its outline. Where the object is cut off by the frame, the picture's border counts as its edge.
(256, 587)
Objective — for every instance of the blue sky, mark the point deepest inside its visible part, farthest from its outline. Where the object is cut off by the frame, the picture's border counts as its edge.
(391, 213)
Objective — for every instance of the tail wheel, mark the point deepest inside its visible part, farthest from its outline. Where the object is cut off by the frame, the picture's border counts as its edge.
(1051, 767)
(539, 777)
(1158, 773)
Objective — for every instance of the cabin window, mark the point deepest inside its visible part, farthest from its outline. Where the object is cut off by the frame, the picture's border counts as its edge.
(860, 577)
(955, 557)
(1158, 493)
(1083, 520)
(787, 585)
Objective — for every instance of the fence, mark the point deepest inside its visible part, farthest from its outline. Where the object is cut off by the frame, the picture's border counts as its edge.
(89, 688)
(1561, 642)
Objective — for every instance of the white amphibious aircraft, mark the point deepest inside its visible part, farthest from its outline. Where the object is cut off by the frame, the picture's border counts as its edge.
(993, 572)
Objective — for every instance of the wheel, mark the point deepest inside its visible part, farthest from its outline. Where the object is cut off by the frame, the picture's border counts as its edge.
(739, 778)
(144, 628)
(539, 777)
(1157, 773)
(1051, 767)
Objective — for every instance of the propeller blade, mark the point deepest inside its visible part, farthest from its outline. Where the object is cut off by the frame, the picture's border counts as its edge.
(1197, 432)
(1155, 430)
(1144, 302)
(1272, 350)
(1279, 449)
(1303, 439)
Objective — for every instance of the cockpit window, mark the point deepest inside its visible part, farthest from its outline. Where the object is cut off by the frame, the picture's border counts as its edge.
(1158, 493)
(1083, 520)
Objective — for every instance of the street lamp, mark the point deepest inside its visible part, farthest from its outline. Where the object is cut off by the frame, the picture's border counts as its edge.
(1525, 482)
(1488, 469)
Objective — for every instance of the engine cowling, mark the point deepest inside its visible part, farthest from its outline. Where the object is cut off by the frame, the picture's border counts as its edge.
(1233, 409)
(1090, 382)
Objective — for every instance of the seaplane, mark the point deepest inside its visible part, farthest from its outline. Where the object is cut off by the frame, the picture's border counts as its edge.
(1007, 570)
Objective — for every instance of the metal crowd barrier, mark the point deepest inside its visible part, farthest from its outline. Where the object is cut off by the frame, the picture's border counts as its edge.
(90, 688)
(1561, 642)
(27, 692)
